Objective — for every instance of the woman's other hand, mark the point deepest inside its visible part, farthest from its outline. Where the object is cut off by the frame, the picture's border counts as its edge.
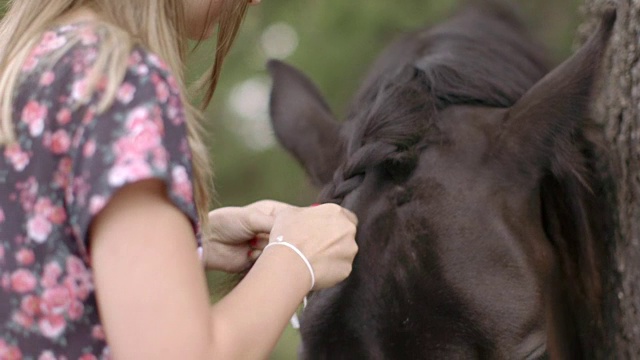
(238, 234)
(325, 234)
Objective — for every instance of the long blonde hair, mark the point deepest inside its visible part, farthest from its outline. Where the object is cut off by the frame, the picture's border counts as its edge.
(157, 25)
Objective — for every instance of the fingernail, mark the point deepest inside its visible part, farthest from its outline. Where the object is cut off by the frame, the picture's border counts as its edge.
(315, 204)
(253, 242)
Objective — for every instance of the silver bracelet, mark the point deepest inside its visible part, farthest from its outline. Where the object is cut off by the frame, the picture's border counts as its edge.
(280, 241)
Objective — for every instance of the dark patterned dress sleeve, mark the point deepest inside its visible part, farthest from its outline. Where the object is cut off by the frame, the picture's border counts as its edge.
(142, 135)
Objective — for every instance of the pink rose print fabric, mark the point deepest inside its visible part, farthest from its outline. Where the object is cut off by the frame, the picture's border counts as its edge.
(68, 161)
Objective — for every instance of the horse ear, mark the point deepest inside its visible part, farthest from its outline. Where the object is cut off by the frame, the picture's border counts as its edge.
(303, 122)
(538, 129)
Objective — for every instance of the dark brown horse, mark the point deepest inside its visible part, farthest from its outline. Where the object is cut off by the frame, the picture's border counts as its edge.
(469, 167)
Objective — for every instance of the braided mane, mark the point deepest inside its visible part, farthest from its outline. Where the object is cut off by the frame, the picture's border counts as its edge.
(396, 122)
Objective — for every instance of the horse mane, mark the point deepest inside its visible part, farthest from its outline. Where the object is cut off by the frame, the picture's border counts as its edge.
(576, 218)
(482, 57)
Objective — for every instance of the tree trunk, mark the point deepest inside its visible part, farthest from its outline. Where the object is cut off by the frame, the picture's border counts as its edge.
(617, 109)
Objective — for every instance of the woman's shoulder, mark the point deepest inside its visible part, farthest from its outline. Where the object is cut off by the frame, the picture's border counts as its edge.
(91, 57)
(74, 46)
(139, 132)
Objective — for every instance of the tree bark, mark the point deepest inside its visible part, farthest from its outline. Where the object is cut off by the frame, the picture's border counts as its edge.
(617, 110)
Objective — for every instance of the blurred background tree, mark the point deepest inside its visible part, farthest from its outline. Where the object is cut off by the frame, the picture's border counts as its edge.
(617, 110)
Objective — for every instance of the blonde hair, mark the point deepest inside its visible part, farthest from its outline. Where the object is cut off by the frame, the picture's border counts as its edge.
(157, 25)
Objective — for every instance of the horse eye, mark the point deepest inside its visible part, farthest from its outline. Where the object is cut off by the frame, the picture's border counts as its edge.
(401, 164)
(399, 171)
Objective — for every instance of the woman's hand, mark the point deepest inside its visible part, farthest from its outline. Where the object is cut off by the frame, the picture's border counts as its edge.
(239, 234)
(325, 234)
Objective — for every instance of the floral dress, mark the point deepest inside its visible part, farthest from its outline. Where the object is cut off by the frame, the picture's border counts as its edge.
(68, 160)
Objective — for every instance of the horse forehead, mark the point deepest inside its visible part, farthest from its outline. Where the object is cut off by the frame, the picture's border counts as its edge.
(459, 117)
(467, 134)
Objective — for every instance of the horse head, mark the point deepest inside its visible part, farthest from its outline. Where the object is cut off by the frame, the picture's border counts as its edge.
(465, 161)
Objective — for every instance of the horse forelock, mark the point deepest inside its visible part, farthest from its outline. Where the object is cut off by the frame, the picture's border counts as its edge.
(397, 120)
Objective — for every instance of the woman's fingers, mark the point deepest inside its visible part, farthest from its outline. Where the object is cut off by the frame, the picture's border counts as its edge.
(228, 258)
(270, 207)
(259, 241)
(254, 254)
(239, 234)
(234, 225)
(351, 216)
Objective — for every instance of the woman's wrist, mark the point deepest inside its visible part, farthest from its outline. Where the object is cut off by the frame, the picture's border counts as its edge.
(292, 267)
(263, 301)
(280, 241)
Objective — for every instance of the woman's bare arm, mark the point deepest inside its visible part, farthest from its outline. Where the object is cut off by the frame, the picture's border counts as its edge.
(152, 293)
